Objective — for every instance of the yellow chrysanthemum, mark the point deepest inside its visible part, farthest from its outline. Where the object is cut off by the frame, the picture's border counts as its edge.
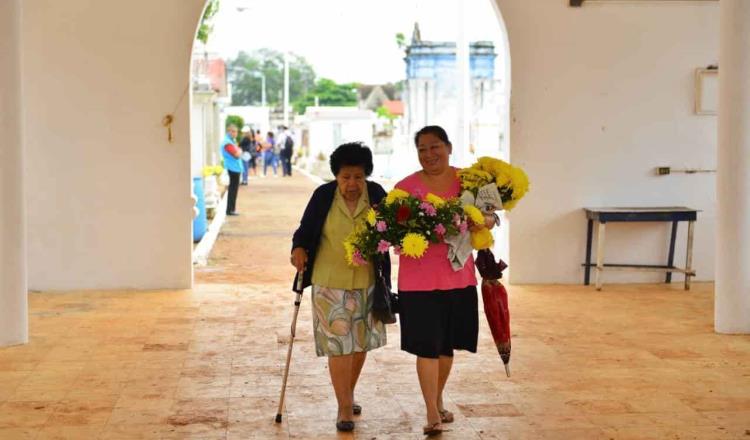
(395, 194)
(414, 245)
(502, 180)
(482, 239)
(436, 201)
(371, 217)
(474, 214)
(349, 250)
(475, 175)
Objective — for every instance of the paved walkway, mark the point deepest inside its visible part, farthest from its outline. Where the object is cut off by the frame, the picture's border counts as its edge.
(630, 362)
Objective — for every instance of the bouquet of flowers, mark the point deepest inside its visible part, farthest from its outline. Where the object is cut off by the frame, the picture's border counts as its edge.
(491, 185)
(510, 182)
(407, 223)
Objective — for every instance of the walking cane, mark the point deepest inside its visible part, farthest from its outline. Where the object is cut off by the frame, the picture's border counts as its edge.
(297, 300)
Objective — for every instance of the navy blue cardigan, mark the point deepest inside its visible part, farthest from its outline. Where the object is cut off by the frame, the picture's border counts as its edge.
(310, 228)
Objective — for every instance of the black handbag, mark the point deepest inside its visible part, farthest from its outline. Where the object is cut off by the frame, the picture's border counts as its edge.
(384, 301)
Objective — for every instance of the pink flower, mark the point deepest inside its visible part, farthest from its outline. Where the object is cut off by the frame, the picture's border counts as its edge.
(383, 246)
(428, 209)
(381, 226)
(456, 219)
(418, 193)
(358, 259)
(463, 227)
(440, 229)
(397, 250)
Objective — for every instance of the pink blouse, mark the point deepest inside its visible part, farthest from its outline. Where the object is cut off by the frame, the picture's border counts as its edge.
(433, 271)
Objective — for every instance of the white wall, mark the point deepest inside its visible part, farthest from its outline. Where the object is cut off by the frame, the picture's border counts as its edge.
(13, 297)
(108, 196)
(600, 96)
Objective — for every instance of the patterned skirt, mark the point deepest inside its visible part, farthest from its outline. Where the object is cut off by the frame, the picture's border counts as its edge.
(343, 322)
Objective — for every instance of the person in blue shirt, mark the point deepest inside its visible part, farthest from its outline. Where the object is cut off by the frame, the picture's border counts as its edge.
(232, 154)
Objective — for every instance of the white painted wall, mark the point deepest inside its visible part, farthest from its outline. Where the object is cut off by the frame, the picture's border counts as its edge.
(732, 298)
(13, 296)
(600, 96)
(108, 196)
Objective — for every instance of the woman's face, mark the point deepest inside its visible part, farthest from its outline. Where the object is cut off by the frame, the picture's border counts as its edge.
(351, 181)
(433, 153)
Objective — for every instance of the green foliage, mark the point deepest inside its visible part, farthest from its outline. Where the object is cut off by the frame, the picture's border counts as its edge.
(247, 88)
(400, 40)
(329, 93)
(237, 121)
(383, 112)
(206, 27)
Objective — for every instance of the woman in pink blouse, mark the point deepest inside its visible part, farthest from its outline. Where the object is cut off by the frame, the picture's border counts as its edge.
(437, 305)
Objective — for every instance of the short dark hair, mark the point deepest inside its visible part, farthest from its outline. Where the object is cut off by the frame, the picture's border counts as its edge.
(434, 130)
(355, 154)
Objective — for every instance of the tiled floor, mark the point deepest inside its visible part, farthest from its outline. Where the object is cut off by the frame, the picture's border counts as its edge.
(630, 362)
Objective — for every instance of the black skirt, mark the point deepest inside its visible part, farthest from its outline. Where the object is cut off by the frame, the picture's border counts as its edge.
(434, 323)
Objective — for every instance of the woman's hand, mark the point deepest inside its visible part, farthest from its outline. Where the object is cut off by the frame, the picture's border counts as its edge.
(490, 220)
(299, 258)
(489, 223)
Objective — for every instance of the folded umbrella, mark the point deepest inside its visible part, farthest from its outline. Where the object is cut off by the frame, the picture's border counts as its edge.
(495, 299)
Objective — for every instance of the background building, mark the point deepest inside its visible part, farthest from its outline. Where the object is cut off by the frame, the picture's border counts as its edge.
(431, 93)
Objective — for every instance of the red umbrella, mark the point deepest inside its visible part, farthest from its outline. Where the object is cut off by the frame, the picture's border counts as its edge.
(495, 299)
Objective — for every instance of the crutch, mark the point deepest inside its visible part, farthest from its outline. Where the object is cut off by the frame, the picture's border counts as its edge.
(297, 300)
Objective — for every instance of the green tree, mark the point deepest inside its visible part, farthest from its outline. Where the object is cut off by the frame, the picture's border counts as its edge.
(329, 93)
(246, 88)
(237, 121)
(400, 40)
(206, 27)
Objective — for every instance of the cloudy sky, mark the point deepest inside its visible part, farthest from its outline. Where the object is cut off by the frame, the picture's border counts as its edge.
(348, 40)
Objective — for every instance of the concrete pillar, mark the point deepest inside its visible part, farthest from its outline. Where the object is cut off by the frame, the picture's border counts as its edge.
(13, 292)
(732, 297)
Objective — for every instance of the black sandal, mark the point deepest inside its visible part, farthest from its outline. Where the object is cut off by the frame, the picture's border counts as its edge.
(345, 426)
(446, 416)
(433, 429)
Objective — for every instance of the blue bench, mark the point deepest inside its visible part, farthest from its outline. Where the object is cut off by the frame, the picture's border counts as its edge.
(672, 214)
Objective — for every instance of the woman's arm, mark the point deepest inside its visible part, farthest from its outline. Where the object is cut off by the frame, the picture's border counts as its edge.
(302, 238)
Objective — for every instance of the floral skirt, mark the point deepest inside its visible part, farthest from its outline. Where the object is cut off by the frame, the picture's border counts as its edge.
(343, 322)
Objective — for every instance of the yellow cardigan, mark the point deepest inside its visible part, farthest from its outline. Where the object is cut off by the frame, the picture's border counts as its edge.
(331, 269)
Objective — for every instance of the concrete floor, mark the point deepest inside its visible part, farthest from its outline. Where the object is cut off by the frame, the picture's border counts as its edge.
(630, 362)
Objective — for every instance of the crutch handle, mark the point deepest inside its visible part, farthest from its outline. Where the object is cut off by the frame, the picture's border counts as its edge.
(299, 281)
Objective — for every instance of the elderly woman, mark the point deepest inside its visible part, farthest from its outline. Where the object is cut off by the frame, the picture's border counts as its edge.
(438, 306)
(341, 294)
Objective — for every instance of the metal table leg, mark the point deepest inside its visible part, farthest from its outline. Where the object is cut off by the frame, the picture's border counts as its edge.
(600, 228)
(589, 238)
(689, 254)
(670, 258)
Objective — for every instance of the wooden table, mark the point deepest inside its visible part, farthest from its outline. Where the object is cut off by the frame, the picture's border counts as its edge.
(673, 214)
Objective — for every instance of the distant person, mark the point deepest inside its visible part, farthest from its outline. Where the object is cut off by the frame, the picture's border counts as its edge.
(269, 155)
(258, 150)
(286, 140)
(232, 162)
(247, 147)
